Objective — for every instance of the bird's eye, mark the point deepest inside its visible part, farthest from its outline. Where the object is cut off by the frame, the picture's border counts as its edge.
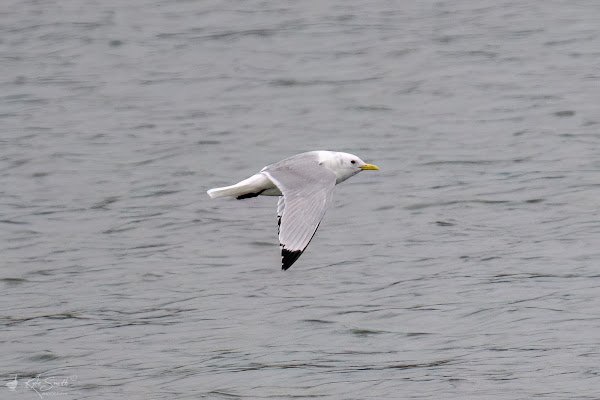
(353, 162)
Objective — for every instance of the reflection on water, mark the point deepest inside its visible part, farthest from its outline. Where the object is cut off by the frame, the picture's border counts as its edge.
(467, 268)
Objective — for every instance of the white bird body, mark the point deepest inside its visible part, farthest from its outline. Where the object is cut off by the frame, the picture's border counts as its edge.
(12, 385)
(306, 183)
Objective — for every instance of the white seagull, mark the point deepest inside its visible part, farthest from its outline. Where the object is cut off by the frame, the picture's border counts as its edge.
(12, 385)
(305, 182)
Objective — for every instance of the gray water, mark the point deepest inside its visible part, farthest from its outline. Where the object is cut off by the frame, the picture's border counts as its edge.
(467, 268)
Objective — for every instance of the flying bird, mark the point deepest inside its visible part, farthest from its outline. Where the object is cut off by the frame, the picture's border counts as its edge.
(305, 183)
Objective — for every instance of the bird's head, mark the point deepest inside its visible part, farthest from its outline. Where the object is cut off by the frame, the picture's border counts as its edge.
(344, 165)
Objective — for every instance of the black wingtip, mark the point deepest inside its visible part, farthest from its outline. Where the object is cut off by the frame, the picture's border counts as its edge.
(288, 258)
(249, 195)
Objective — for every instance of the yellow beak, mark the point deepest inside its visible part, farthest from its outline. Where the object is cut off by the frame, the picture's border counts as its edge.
(370, 166)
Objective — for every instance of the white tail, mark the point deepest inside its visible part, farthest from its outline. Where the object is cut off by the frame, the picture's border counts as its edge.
(224, 191)
(254, 184)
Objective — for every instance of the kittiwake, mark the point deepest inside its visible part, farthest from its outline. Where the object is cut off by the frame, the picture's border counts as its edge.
(305, 183)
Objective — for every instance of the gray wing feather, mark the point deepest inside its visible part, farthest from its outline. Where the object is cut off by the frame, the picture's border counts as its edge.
(307, 189)
(280, 208)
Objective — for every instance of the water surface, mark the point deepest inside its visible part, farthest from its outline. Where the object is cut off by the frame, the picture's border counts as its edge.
(468, 267)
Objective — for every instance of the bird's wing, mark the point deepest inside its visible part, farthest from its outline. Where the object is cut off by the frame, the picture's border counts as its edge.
(307, 189)
(280, 208)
